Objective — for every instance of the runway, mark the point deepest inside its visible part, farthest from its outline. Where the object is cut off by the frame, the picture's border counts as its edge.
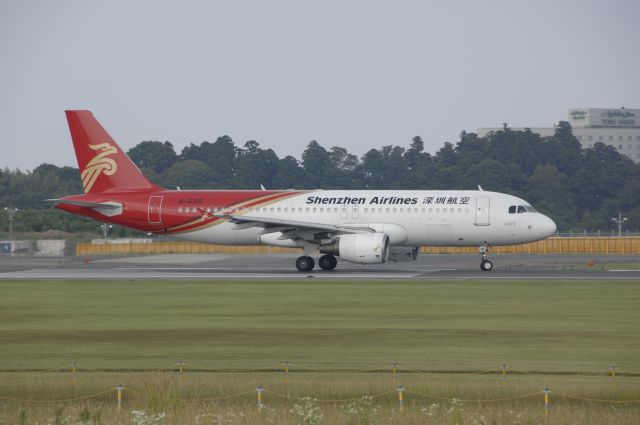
(281, 267)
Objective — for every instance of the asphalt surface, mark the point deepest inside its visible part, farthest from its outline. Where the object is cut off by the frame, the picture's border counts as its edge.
(281, 266)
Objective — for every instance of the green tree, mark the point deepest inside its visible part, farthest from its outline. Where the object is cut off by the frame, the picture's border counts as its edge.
(564, 149)
(345, 167)
(317, 166)
(255, 166)
(290, 174)
(219, 156)
(150, 155)
(189, 174)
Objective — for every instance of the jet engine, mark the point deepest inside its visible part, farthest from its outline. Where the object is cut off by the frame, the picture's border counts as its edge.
(403, 253)
(361, 248)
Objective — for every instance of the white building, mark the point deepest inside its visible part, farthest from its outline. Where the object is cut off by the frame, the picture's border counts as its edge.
(619, 128)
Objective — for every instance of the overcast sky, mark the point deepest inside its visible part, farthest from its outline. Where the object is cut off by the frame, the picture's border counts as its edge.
(358, 74)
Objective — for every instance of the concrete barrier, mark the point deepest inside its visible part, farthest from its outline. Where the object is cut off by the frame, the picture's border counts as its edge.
(16, 247)
(562, 245)
(50, 247)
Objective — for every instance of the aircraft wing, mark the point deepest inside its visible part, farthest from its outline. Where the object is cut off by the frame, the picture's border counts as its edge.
(291, 229)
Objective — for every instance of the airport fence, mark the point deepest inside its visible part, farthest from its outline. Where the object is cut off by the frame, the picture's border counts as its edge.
(393, 390)
(554, 245)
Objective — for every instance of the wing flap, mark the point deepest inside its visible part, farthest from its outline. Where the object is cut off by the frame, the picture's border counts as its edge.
(267, 222)
(292, 229)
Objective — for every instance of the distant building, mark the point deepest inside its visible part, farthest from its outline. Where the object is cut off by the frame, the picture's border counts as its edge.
(619, 128)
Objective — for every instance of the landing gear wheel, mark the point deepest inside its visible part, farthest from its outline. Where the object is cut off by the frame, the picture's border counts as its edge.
(486, 266)
(305, 263)
(327, 262)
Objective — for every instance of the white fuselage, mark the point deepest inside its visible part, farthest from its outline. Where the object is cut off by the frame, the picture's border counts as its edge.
(410, 218)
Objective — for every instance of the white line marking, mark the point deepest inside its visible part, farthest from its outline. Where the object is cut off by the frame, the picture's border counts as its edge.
(203, 276)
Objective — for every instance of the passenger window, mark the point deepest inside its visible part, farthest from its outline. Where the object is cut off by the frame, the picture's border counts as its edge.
(401, 210)
(512, 209)
(521, 209)
(179, 209)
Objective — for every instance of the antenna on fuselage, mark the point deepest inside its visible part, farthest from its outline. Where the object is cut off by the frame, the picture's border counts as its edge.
(262, 187)
(480, 188)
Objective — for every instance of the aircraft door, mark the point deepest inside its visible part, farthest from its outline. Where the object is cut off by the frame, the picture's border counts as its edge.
(155, 209)
(482, 210)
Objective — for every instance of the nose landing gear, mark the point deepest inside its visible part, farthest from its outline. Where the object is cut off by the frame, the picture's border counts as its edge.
(485, 264)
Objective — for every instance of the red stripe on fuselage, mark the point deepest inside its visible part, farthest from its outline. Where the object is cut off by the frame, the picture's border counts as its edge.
(136, 207)
(207, 220)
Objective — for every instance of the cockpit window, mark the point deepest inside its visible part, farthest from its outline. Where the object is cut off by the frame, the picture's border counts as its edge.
(519, 209)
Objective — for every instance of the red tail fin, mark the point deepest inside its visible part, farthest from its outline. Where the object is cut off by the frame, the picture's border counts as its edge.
(103, 165)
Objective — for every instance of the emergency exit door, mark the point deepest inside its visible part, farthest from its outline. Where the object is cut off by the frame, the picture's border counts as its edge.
(482, 210)
(155, 209)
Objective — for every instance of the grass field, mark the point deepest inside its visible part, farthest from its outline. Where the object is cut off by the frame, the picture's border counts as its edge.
(571, 328)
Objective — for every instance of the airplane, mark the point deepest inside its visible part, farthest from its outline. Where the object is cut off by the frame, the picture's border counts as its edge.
(357, 226)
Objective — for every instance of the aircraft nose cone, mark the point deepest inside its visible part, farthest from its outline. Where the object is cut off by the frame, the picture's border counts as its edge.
(548, 227)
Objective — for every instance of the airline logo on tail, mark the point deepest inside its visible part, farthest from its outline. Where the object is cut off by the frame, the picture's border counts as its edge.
(99, 164)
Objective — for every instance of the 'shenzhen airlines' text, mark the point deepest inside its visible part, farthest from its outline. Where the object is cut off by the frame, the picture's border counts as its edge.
(376, 200)
(388, 200)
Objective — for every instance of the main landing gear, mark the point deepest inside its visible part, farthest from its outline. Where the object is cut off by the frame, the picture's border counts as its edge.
(306, 263)
(328, 262)
(485, 264)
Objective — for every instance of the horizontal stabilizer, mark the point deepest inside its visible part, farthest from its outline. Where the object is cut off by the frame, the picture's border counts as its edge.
(105, 208)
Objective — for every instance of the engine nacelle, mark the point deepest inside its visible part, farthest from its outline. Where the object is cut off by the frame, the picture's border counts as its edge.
(403, 253)
(361, 248)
